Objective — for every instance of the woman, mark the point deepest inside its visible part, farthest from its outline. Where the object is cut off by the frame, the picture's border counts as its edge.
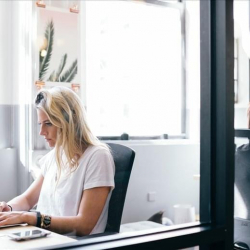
(77, 176)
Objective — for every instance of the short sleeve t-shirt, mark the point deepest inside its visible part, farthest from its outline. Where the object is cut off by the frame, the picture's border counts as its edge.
(96, 169)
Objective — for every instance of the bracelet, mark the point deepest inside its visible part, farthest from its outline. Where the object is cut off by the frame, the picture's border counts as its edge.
(46, 221)
(10, 207)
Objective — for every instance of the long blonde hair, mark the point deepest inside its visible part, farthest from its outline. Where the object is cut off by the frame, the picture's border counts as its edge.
(65, 111)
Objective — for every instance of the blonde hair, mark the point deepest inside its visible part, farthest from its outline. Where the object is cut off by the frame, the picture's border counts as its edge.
(65, 111)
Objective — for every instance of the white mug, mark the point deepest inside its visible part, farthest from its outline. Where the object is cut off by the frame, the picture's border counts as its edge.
(184, 213)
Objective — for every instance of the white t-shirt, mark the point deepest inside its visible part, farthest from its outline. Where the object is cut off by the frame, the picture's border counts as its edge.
(96, 169)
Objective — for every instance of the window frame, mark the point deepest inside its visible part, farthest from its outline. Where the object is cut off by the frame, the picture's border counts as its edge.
(215, 231)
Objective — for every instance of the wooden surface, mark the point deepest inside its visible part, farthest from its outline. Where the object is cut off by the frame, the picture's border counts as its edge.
(50, 240)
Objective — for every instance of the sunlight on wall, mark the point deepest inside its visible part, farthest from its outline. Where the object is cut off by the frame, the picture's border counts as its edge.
(22, 66)
(6, 88)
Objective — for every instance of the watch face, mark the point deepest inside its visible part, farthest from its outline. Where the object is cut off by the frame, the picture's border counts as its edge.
(46, 221)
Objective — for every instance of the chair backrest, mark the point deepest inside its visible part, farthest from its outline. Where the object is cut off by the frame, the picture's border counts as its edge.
(124, 159)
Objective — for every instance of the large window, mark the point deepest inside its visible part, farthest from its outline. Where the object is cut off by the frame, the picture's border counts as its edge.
(134, 68)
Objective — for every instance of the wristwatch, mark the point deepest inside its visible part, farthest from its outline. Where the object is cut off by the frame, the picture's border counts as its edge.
(38, 217)
(46, 221)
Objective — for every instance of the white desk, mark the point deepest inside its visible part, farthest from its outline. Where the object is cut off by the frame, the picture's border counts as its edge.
(51, 240)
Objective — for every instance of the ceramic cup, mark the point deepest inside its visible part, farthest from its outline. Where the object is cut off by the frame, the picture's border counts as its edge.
(184, 213)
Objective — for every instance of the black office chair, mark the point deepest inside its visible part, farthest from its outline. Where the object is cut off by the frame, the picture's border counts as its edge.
(124, 159)
(242, 183)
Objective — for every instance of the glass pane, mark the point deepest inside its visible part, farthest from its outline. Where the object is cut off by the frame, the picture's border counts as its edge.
(136, 64)
(142, 78)
(141, 73)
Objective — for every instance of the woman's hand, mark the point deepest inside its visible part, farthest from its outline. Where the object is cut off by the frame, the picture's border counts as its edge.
(16, 217)
(4, 207)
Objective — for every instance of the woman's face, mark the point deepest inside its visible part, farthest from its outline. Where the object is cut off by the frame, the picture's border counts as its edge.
(47, 129)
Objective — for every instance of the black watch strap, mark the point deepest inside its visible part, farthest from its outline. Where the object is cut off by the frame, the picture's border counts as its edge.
(38, 219)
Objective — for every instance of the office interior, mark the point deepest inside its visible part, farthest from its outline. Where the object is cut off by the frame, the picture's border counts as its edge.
(138, 73)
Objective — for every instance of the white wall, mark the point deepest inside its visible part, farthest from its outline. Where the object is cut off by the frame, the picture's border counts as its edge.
(8, 176)
(6, 85)
(14, 93)
(8, 156)
(167, 169)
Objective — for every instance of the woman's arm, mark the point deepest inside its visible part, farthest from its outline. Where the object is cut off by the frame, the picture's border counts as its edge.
(91, 206)
(27, 200)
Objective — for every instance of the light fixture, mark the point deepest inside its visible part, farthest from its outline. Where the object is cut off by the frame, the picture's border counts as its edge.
(43, 53)
(75, 87)
(74, 9)
(40, 3)
(39, 84)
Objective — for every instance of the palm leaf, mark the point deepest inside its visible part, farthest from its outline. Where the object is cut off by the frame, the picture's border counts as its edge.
(52, 77)
(61, 67)
(69, 75)
(55, 76)
(49, 35)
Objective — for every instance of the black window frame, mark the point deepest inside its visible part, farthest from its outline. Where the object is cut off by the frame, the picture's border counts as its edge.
(215, 230)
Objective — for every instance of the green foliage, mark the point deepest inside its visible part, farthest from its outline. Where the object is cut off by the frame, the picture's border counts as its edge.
(52, 77)
(69, 75)
(44, 63)
(55, 76)
(61, 67)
